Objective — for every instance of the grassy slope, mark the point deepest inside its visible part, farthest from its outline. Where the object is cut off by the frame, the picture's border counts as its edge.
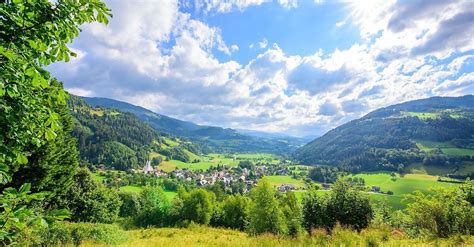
(136, 189)
(402, 186)
(214, 159)
(446, 147)
(207, 236)
(279, 180)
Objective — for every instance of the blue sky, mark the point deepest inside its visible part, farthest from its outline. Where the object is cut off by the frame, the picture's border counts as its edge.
(298, 31)
(291, 66)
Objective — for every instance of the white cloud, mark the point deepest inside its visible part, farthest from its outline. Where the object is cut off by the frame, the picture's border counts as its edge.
(234, 48)
(263, 44)
(340, 23)
(288, 4)
(160, 58)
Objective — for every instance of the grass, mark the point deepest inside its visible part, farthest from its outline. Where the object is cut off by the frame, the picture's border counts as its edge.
(422, 115)
(401, 186)
(279, 180)
(207, 236)
(419, 168)
(97, 177)
(446, 147)
(131, 188)
(458, 151)
(137, 189)
(212, 160)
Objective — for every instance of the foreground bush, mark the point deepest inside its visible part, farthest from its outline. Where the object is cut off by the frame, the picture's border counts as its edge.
(66, 233)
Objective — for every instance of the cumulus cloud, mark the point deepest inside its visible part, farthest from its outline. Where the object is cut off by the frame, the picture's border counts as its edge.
(159, 57)
(340, 23)
(263, 44)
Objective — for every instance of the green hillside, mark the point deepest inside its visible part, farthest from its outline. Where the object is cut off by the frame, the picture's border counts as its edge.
(436, 131)
(219, 140)
(121, 141)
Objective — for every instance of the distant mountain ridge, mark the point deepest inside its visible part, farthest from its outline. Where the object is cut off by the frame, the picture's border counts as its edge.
(436, 131)
(216, 138)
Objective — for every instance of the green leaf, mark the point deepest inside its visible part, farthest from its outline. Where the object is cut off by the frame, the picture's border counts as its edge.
(21, 159)
(25, 188)
(50, 135)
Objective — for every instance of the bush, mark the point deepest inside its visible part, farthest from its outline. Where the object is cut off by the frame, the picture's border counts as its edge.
(130, 204)
(66, 233)
(155, 208)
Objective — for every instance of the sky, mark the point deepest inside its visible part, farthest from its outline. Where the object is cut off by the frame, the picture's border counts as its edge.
(289, 66)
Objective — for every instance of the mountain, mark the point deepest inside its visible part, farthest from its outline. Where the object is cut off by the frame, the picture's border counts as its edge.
(216, 138)
(436, 131)
(120, 140)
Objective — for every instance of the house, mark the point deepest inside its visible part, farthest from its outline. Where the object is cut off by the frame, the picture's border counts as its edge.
(286, 187)
(375, 189)
(326, 186)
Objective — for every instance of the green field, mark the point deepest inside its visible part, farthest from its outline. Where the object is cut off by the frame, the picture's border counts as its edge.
(401, 186)
(421, 115)
(446, 147)
(279, 180)
(212, 160)
(458, 151)
(419, 168)
(136, 189)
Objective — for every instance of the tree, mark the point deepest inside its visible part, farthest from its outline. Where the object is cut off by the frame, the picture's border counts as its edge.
(314, 210)
(292, 211)
(198, 206)
(154, 207)
(89, 200)
(444, 213)
(52, 166)
(33, 35)
(265, 215)
(348, 206)
(130, 204)
(234, 212)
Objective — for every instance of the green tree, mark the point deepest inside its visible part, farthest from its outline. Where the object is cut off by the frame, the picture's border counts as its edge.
(33, 35)
(130, 204)
(198, 206)
(314, 210)
(293, 213)
(234, 211)
(348, 206)
(265, 215)
(155, 207)
(52, 166)
(444, 213)
(90, 201)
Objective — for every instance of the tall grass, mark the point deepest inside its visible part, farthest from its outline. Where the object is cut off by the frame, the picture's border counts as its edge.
(207, 236)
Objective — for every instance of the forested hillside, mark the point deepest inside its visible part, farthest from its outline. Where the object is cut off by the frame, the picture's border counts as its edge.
(436, 131)
(118, 139)
(216, 138)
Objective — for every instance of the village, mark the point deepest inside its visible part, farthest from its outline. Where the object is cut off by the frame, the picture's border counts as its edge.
(227, 175)
(243, 173)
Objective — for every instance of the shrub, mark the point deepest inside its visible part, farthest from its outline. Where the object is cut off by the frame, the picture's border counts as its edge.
(66, 233)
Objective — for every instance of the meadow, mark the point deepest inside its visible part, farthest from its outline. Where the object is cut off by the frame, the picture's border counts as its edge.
(208, 236)
(280, 180)
(401, 186)
(214, 159)
(445, 147)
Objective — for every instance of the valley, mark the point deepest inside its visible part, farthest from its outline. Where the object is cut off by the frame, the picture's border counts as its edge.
(236, 123)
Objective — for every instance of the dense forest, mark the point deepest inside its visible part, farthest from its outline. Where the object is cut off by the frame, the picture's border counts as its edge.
(50, 141)
(119, 140)
(386, 139)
